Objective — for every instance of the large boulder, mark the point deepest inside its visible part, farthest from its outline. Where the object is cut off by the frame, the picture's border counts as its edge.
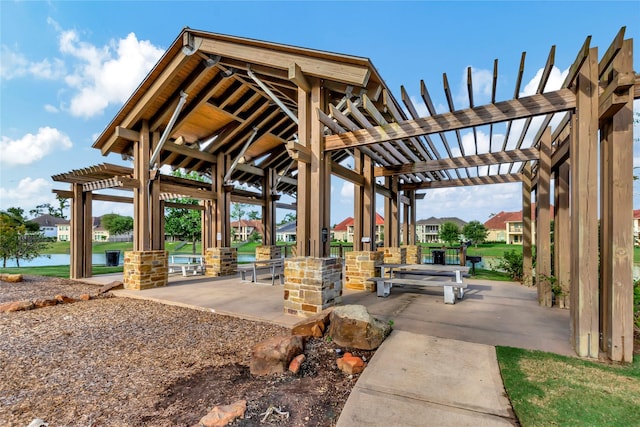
(11, 278)
(352, 326)
(274, 355)
(313, 326)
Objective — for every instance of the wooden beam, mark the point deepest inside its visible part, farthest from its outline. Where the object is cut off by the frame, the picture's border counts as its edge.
(195, 193)
(323, 68)
(299, 152)
(543, 223)
(463, 182)
(115, 182)
(128, 134)
(550, 102)
(461, 162)
(297, 76)
(193, 153)
(347, 174)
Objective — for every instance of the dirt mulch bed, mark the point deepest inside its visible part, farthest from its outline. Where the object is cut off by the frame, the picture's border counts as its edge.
(119, 361)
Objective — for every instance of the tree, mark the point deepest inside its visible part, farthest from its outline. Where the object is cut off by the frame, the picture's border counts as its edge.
(116, 224)
(290, 217)
(449, 233)
(475, 231)
(254, 215)
(20, 239)
(48, 208)
(185, 222)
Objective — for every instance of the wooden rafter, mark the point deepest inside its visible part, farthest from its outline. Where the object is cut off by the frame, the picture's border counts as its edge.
(464, 182)
(557, 101)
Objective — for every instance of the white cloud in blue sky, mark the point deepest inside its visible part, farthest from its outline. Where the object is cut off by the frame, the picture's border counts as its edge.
(32, 147)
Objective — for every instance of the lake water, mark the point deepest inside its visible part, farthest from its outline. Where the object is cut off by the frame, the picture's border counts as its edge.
(96, 259)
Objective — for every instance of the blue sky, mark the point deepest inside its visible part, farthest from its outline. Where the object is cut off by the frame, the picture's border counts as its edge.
(67, 68)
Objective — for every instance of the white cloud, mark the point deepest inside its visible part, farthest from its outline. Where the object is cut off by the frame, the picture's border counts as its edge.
(28, 194)
(31, 148)
(556, 78)
(14, 64)
(106, 75)
(482, 82)
(346, 192)
(50, 108)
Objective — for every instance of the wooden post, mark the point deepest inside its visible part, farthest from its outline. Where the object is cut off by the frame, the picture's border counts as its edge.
(87, 212)
(617, 286)
(543, 221)
(584, 211)
(527, 243)
(358, 201)
(141, 205)
(562, 235)
(369, 205)
(388, 213)
(406, 219)
(269, 209)
(223, 204)
(157, 217)
(303, 206)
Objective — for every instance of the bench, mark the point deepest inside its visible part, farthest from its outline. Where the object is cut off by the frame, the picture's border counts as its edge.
(193, 264)
(384, 284)
(274, 267)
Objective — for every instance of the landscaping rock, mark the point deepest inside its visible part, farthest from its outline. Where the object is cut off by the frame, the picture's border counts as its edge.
(65, 299)
(352, 326)
(296, 363)
(40, 303)
(350, 364)
(85, 297)
(313, 326)
(274, 355)
(16, 306)
(11, 278)
(223, 415)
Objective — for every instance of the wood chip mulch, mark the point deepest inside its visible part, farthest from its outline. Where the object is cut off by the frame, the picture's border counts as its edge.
(126, 362)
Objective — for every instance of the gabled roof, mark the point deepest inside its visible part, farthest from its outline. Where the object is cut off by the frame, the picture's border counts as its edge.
(289, 227)
(499, 221)
(342, 226)
(47, 220)
(437, 221)
(636, 214)
(256, 224)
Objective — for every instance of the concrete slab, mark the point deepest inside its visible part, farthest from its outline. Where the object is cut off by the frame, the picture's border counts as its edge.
(456, 379)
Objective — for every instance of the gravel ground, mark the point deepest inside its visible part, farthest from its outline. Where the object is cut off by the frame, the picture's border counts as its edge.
(125, 362)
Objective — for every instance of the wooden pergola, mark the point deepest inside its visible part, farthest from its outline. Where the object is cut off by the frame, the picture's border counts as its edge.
(282, 120)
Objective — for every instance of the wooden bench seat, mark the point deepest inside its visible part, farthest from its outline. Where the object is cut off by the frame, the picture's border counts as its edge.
(384, 285)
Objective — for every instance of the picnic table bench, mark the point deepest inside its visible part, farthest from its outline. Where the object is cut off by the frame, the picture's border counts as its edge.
(274, 267)
(194, 264)
(423, 275)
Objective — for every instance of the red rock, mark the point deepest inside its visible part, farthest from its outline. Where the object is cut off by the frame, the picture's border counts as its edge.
(40, 303)
(313, 326)
(274, 355)
(16, 306)
(85, 297)
(351, 364)
(296, 363)
(223, 415)
(65, 299)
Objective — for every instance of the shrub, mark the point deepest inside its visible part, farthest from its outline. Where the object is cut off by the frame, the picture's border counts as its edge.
(511, 263)
(636, 303)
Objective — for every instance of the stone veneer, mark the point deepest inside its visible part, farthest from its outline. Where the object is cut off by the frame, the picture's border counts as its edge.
(311, 285)
(394, 255)
(414, 254)
(361, 265)
(145, 269)
(268, 252)
(220, 262)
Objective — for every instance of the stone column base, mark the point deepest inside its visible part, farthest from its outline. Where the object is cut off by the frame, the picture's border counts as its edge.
(266, 252)
(361, 265)
(414, 254)
(311, 285)
(145, 269)
(221, 262)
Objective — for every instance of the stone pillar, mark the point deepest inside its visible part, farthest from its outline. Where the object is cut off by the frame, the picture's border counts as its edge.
(145, 269)
(267, 252)
(311, 285)
(394, 255)
(361, 265)
(221, 262)
(414, 254)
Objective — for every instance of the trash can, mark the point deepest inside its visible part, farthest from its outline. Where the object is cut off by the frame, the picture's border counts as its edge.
(438, 256)
(112, 258)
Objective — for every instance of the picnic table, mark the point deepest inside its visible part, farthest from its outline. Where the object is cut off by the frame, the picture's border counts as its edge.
(187, 264)
(273, 267)
(427, 275)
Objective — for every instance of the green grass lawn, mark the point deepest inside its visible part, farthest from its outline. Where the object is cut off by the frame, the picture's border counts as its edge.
(547, 389)
(58, 270)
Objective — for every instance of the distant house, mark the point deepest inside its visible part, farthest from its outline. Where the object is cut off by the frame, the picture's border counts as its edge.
(507, 226)
(428, 230)
(244, 228)
(286, 232)
(49, 225)
(99, 233)
(343, 231)
(64, 232)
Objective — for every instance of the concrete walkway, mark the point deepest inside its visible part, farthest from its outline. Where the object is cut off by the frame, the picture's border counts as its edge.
(438, 366)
